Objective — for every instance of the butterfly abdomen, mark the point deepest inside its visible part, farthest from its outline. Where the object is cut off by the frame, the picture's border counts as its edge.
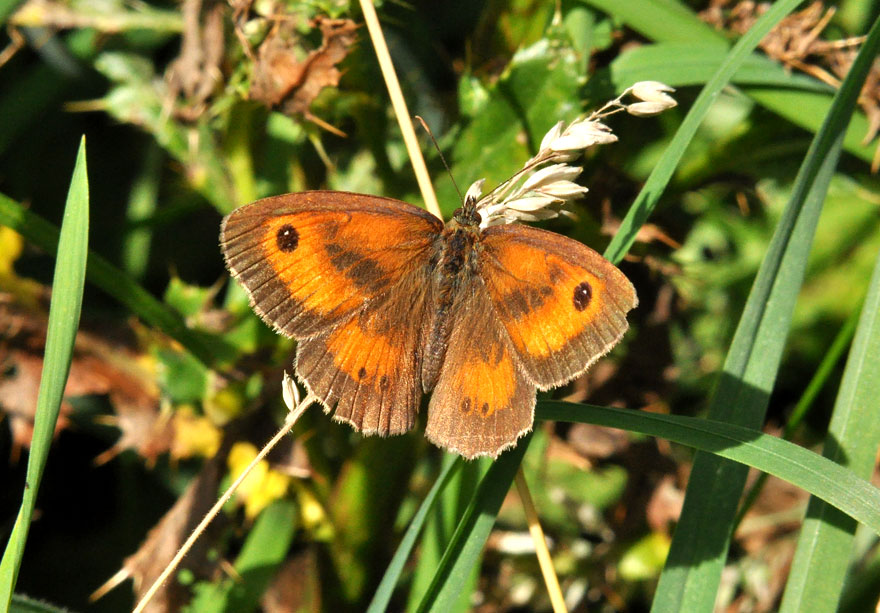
(456, 264)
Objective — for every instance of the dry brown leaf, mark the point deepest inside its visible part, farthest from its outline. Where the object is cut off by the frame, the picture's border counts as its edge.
(163, 541)
(296, 587)
(101, 365)
(777, 511)
(596, 442)
(283, 79)
(648, 233)
(664, 507)
(196, 73)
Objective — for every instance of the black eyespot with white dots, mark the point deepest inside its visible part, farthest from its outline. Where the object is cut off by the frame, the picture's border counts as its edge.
(287, 238)
(583, 293)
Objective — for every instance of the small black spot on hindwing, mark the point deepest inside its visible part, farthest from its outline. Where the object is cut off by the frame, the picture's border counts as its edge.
(466, 406)
(287, 238)
(583, 293)
(485, 409)
(362, 373)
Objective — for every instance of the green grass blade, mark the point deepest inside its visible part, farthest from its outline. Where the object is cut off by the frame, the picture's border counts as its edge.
(64, 311)
(23, 604)
(384, 592)
(662, 173)
(470, 536)
(693, 569)
(209, 350)
(439, 528)
(807, 110)
(809, 471)
(673, 23)
(862, 590)
(691, 63)
(825, 542)
(832, 356)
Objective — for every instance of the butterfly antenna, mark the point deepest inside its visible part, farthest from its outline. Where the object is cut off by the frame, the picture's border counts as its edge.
(440, 153)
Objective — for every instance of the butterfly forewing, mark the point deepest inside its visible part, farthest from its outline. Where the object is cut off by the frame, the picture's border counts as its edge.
(562, 304)
(311, 260)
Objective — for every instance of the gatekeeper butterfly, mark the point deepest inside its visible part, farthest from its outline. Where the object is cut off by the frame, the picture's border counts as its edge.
(386, 302)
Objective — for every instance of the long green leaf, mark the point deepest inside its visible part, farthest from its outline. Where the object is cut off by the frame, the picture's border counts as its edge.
(392, 574)
(820, 377)
(264, 550)
(810, 471)
(661, 20)
(470, 536)
(209, 350)
(64, 311)
(825, 542)
(440, 525)
(23, 604)
(693, 568)
(691, 63)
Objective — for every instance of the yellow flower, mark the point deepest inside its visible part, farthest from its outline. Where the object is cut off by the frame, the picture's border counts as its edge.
(262, 486)
(194, 434)
(26, 291)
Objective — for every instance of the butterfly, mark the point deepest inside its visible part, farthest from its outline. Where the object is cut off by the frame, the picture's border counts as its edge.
(387, 303)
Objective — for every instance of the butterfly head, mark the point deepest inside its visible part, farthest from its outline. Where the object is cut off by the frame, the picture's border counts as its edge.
(467, 214)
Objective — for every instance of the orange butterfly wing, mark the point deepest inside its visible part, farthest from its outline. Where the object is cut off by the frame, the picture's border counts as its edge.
(312, 259)
(562, 305)
(482, 402)
(367, 368)
(348, 276)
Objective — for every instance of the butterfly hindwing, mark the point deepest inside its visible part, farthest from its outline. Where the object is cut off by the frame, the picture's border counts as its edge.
(561, 304)
(367, 367)
(482, 402)
(313, 259)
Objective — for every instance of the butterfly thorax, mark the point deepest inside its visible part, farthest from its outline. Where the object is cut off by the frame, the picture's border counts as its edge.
(457, 262)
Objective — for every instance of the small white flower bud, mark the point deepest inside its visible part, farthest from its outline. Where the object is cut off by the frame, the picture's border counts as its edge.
(531, 203)
(647, 109)
(289, 392)
(552, 134)
(565, 190)
(583, 134)
(652, 91)
(538, 215)
(551, 174)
